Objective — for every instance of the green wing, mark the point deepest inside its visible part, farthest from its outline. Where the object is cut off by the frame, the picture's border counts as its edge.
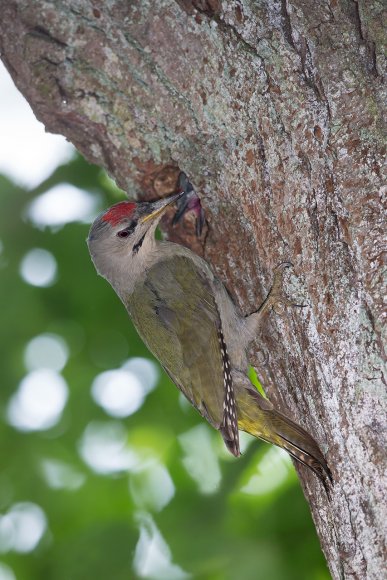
(176, 315)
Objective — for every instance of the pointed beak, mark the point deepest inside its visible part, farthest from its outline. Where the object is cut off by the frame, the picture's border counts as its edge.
(160, 206)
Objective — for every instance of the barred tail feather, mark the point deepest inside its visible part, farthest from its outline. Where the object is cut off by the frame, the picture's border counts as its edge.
(302, 447)
(283, 432)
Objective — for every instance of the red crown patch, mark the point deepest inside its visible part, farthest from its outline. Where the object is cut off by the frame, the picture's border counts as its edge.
(118, 212)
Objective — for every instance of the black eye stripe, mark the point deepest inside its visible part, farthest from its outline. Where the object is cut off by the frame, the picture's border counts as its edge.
(127, 231)
(137, 246)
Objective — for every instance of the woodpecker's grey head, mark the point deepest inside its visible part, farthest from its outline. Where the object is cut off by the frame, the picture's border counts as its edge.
(122, 236)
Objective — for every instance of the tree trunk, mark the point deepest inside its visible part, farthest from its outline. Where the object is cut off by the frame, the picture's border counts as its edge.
(274, 111)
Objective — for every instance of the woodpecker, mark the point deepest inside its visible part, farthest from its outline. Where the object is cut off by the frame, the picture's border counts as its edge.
(188, 320)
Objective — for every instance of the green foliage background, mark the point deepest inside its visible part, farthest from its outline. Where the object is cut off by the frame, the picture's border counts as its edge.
(93, 530)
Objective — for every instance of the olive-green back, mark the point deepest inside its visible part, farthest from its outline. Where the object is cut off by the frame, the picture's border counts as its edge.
(176, 315)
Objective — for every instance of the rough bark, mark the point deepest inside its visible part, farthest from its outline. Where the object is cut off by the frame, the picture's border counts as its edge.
(274, 110)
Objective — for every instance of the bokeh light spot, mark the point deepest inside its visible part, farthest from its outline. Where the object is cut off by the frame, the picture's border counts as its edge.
(6, 573)
(104, 448)
(27, 153)
(48, 351)
(39, 401)
(22, 528)
(62, 204)
(152, 487)
(145, 370)
(153, 558)
(59, 475)
(201, 460)
(6, 534)
(121, 392)
(38, 268)
(272, 471)
(118, 392)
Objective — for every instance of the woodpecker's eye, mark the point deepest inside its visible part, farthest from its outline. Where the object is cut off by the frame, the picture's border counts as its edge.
(123, 234)
(127, 231)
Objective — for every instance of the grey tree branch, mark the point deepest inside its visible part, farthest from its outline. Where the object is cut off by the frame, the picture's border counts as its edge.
(274, 110)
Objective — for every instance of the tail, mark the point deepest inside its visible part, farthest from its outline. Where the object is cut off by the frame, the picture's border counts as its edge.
(257, 417)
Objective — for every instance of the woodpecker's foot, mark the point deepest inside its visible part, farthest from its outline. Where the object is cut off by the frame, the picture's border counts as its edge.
(276, 296)
(189, 202)
(275, 299)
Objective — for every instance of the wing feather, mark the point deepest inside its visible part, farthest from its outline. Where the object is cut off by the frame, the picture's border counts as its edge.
(176, 315)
